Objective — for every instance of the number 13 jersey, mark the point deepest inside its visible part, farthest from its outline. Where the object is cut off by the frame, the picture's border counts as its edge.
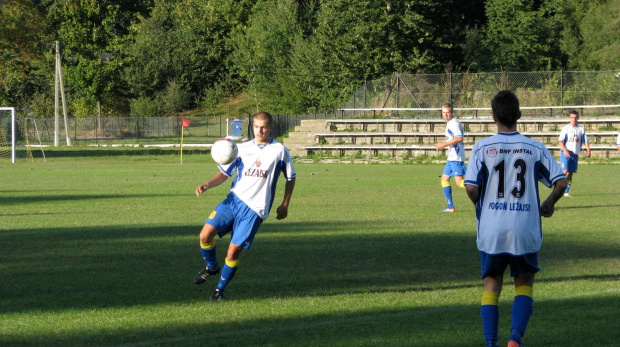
(507, 167)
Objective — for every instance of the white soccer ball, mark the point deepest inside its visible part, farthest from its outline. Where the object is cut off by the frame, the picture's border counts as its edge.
(224, 151)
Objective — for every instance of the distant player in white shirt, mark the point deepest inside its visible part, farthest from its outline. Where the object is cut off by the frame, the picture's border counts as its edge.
(257, 167)
(455, 164)
(502, 181)
(571, 138)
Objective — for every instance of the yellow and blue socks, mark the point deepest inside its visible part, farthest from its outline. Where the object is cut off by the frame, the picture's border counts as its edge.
(208, 251)
(569, 182)
(447, 192)
(521, 311)
(489, 312)
(228, 272)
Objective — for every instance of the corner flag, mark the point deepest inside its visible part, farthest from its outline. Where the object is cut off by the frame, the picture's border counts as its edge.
(184, 124)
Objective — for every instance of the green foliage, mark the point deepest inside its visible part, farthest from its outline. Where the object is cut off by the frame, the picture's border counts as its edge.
(520, 35)
(24, 46)
(290, 56)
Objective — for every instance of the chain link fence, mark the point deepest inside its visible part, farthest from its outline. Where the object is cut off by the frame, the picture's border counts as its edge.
(142, 130)
(475, 90)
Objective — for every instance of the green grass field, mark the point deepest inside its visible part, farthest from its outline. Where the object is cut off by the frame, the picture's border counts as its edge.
(101, 250)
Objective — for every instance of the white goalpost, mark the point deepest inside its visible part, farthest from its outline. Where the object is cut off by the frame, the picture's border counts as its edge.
(6, 149)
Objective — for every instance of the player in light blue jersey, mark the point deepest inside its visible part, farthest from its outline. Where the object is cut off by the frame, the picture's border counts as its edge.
(502, 181)
(455, 165)
(572, 136)
(256, 170)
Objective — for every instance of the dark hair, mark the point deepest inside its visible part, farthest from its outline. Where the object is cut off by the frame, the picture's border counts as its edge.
(573, 112)
(505, 106)
(264, 115)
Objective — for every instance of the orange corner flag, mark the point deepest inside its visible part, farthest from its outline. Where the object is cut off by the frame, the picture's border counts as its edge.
(184, 122)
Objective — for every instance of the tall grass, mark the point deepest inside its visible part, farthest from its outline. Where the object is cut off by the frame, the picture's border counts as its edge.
(102, 251)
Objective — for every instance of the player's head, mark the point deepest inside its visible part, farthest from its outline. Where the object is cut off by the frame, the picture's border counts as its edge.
(573, 117)
(505, 106)
(447, 111)
(261, 125)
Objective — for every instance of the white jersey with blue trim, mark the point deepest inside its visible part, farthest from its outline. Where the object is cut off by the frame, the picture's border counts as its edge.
(257, 169)
(573, 137)
(506, 167)
(454, 129)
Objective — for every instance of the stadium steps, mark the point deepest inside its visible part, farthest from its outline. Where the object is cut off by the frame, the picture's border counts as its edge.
(400, 138)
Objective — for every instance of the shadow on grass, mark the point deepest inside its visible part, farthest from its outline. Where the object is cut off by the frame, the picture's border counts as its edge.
(20, 199)
(457, 325)
(97, 267)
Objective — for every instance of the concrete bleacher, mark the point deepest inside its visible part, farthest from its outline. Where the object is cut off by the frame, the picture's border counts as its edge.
(414, 137)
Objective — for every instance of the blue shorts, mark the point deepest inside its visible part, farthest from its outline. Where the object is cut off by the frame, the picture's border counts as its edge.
(233, 215)
(454, 168)
(569, 164)
(494, 265)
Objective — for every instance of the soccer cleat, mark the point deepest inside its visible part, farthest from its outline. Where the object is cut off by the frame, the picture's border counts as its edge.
(567, 194)
(449, 209)
(202, 275)
(514, 344)
(218, 295)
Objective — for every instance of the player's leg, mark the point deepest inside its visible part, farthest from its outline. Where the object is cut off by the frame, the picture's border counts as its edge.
(228, 271)
(522, 307)
(447, 188)
(246, 226)
(489, 308)
(460, 181)
(569, 181)
(209, 253)
(492, 269)
(219, 223)
(523, 269)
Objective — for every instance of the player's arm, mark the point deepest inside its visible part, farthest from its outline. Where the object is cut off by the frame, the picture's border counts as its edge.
(588, 149)
(215, 181)
(282, 210)
(441, 145)
(548, 206)
(473, 192)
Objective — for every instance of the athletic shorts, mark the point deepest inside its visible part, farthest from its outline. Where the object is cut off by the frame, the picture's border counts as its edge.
(234, 216)
(569, 164)
(454, 168)
(494, 265)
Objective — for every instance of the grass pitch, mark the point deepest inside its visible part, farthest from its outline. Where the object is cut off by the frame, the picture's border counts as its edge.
(102, 251)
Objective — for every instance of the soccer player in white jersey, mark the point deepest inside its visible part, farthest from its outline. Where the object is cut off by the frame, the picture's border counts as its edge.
(257, 167)
(455, 165)
(502, 181)
(571, 138)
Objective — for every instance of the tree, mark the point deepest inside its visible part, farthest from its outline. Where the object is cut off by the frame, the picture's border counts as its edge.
(521, 35)
(25, 48)
(91, 35)
(186, 42)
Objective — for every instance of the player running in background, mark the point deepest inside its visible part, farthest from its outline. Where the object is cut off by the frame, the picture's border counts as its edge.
(257, 168)
(455, 165)
(502, 181)
(571, 138)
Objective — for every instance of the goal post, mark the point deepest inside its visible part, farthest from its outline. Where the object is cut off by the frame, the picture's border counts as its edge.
(7, 136)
